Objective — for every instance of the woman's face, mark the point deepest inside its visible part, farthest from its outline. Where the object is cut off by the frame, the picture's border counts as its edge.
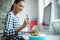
(19, 6)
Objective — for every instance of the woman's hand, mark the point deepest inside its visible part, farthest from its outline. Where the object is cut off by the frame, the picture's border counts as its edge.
(26, 21)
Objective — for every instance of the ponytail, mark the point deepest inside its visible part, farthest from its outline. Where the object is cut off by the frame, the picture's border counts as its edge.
(11, 8)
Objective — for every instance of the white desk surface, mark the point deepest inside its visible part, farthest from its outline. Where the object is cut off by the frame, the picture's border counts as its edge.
(48, 37)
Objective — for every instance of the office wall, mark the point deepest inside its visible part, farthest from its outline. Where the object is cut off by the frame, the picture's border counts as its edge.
(4, 8)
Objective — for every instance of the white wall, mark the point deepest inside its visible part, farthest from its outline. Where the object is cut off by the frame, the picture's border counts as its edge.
(55, 23)
(41, 10)
(53, 11)
(57, 12)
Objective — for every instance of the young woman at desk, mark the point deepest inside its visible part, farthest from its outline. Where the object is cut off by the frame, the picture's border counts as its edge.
(12, 30)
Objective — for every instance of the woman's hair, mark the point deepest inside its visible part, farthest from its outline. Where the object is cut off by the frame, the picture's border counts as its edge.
(16, 1)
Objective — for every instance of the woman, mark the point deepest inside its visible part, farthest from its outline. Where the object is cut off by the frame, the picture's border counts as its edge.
(13, 29)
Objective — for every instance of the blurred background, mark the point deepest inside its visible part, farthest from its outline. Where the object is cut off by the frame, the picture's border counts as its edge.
(45, 12)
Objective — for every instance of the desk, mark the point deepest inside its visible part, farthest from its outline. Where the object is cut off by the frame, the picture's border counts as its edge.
(48, 37)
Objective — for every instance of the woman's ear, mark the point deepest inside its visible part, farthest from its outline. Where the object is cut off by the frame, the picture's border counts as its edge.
(14, 4)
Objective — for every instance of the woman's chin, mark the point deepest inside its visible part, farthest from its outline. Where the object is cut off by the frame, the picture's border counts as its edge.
(18, 11)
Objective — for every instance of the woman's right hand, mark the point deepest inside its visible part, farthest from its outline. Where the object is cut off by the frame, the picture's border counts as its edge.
(26, 21)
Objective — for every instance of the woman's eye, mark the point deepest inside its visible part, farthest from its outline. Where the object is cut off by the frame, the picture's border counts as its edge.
(20, 5)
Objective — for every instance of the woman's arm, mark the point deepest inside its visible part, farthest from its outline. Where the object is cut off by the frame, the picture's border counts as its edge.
(23, 25)
(9, 30)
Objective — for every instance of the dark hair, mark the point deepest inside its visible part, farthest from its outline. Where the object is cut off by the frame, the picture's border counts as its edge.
(16, 1)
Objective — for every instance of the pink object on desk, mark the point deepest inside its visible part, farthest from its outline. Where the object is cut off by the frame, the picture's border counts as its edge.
(32, 24)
